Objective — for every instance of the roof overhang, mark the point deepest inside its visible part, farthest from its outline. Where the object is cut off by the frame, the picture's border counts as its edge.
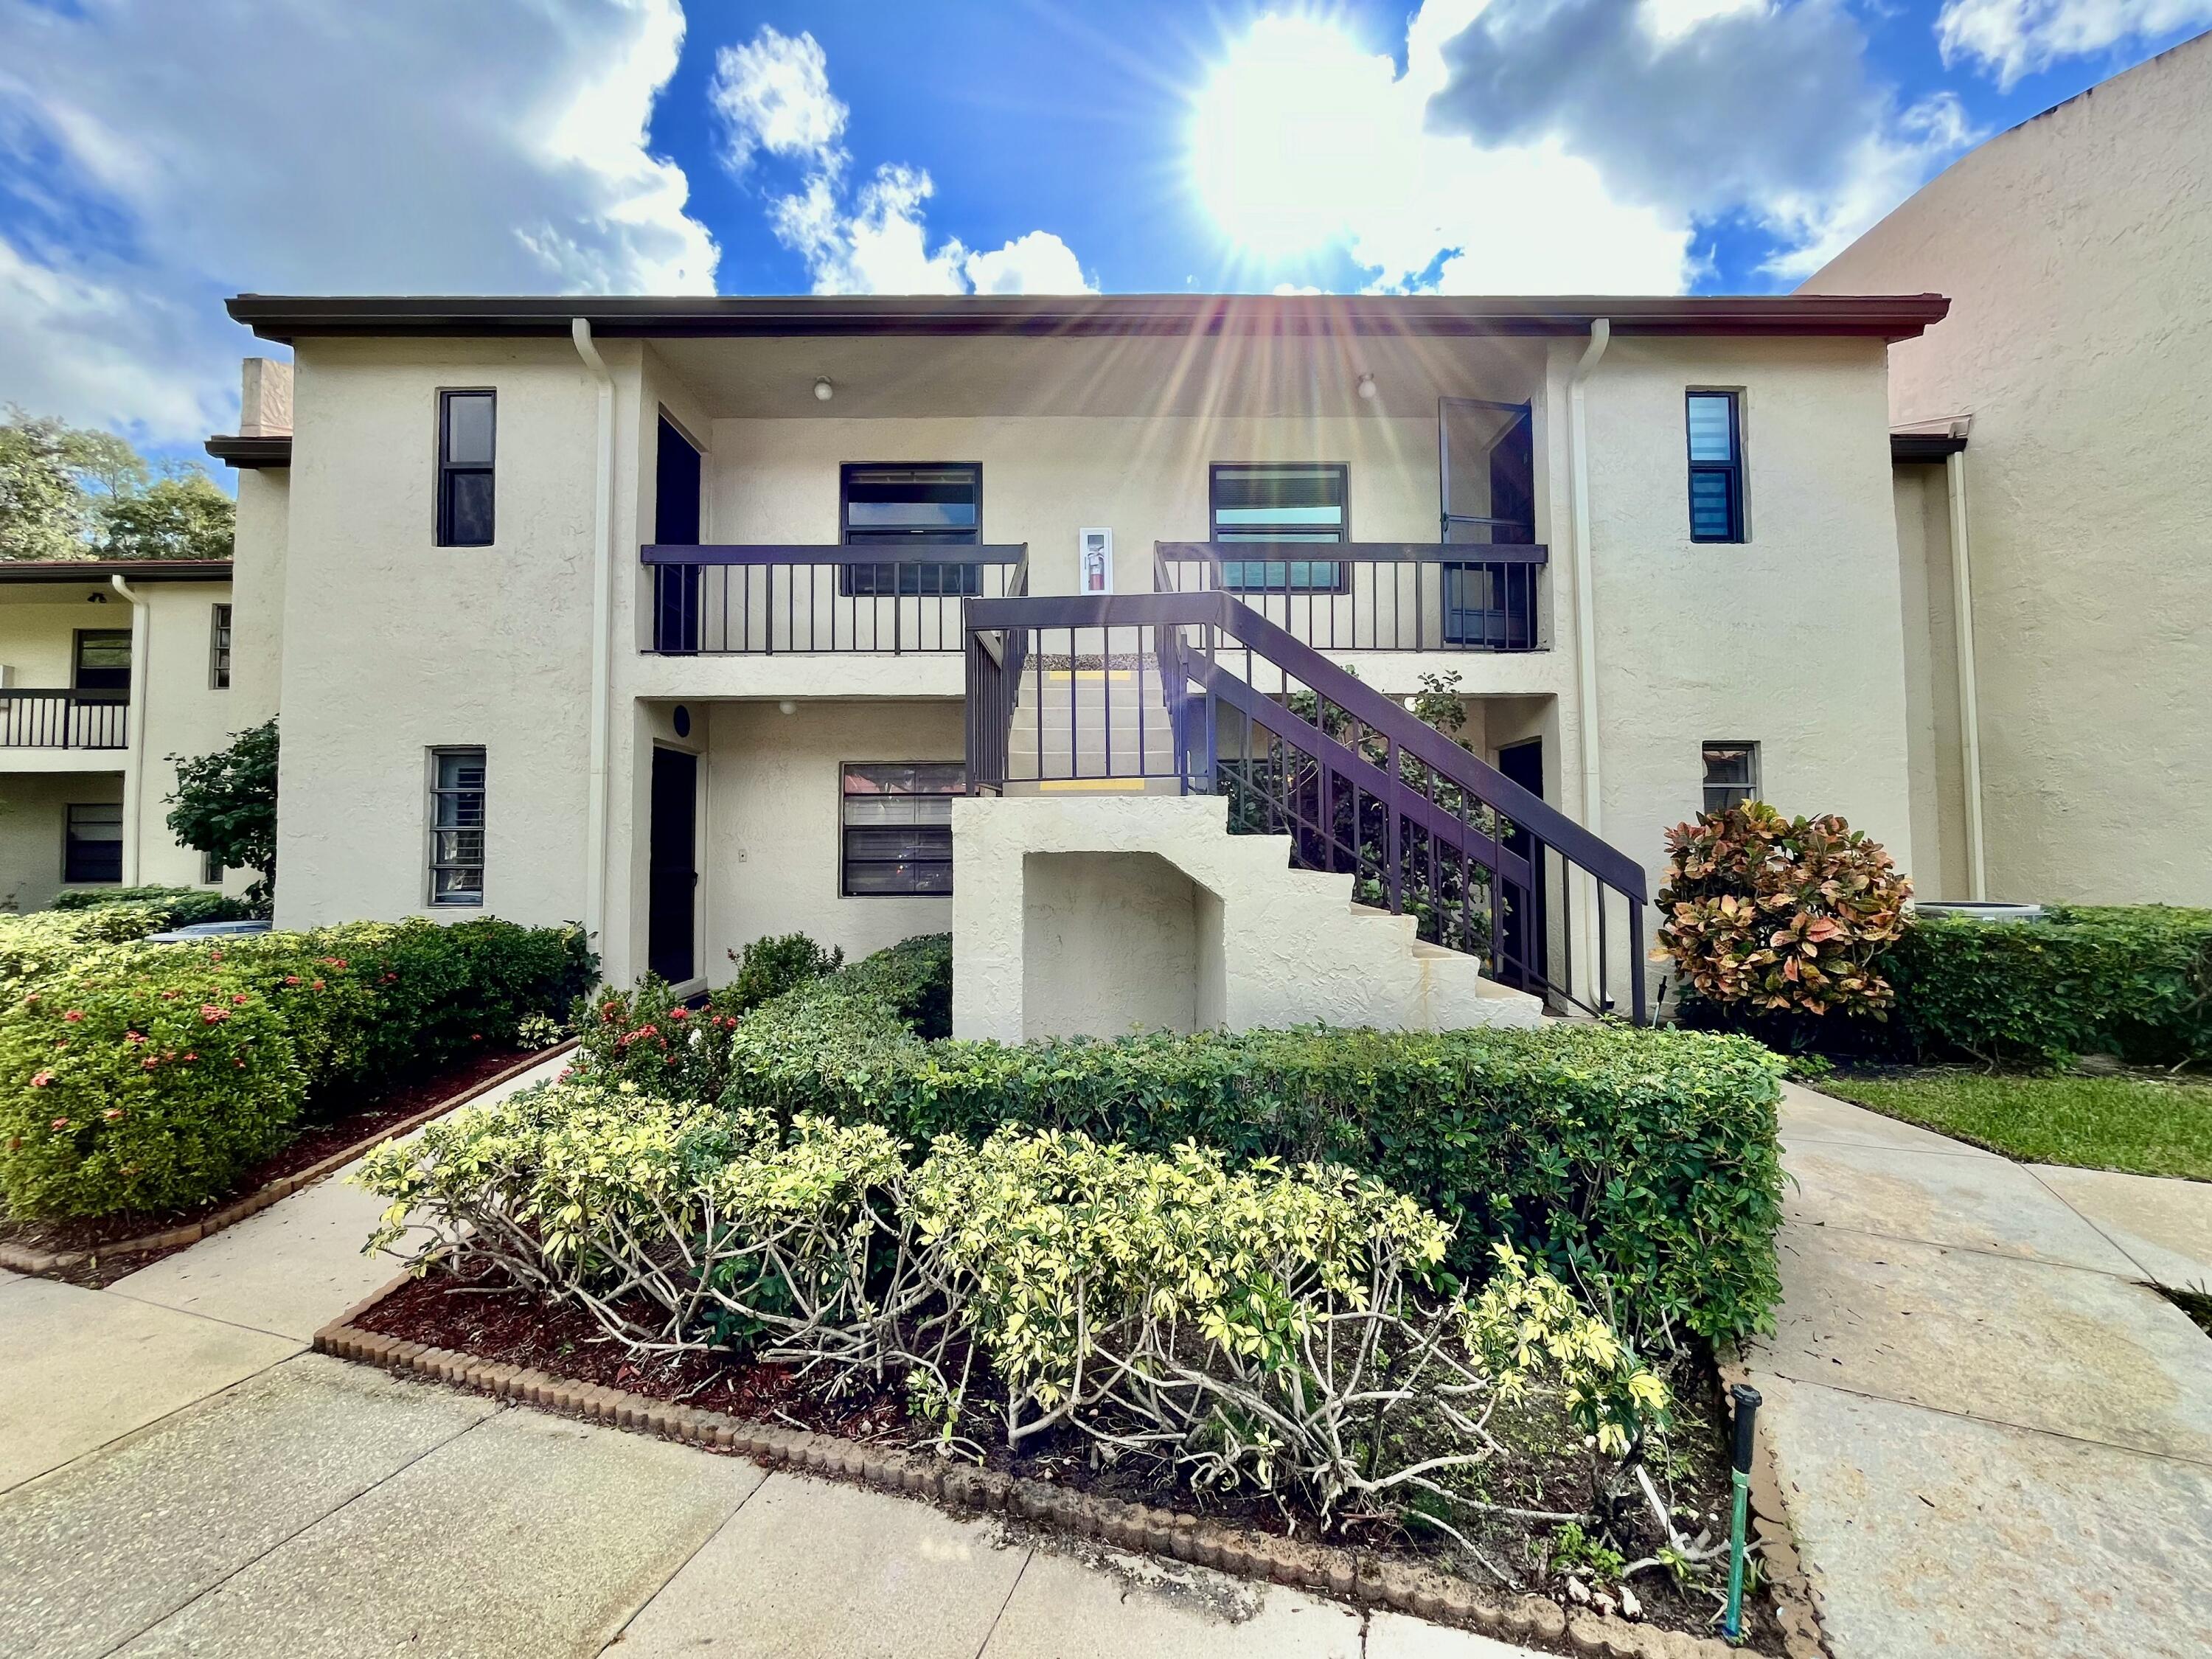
(99, 570)
(1925, 446)
(249, 453)
(1885, 317)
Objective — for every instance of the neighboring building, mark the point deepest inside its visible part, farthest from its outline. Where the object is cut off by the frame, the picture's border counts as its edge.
(576, 623)
(2060, 422)
(106, 668)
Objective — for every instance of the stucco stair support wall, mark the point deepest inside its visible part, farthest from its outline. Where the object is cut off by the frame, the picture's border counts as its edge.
(1292, 948)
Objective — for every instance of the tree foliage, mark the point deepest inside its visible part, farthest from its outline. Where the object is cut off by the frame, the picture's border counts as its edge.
(72, 493)
(226, 806)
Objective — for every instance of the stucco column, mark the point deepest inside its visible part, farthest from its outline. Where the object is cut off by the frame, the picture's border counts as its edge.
(989, 904)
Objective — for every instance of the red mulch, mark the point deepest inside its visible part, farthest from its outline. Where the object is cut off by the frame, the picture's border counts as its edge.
(310, 1145)
(480, 1316)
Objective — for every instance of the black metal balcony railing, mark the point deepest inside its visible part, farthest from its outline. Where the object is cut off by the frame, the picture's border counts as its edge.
(722, 601)
(1302, 747)
(64, 720)
(1372, 596)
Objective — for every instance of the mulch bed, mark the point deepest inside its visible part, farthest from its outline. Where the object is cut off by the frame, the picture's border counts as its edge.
(484, 1321)
(93, 1236)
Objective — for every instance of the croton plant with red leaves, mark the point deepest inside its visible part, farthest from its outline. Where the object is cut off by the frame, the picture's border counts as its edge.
(1763, 914)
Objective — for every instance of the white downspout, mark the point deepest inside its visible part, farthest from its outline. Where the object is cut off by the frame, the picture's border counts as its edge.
(134, 750)
(1970, 724)
(603, 529)
(1600, 335)
(1585, 599)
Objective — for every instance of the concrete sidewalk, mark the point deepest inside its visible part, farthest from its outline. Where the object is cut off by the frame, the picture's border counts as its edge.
(177, 1475)
(1994, 1440)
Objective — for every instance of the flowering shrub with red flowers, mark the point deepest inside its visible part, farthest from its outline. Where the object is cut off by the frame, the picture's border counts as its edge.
(1766, 915)
(648, 1036)
(143, 1077)
(144, 1093)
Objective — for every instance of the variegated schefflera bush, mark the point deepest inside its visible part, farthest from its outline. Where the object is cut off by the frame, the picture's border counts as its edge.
(1766, 914)
(1261, 1328)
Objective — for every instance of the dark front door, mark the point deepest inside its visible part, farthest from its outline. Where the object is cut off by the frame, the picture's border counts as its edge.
(669, 949)
(1526, 944)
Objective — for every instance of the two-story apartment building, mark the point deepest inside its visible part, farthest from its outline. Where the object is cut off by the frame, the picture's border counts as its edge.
(698, 620)
(106, 668)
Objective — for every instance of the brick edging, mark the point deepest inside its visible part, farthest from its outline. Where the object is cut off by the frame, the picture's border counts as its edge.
(1346, 1575)
(16, 1259)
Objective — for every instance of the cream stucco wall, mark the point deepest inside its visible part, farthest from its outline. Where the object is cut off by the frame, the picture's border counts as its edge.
(771, 849)
(180, 713)
(258, 569)
(2077, 248)
(1794, 638)
(394, 645)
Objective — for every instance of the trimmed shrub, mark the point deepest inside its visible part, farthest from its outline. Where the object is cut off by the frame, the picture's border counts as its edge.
(147, 1077)
(1764, 915)
(2132, 981)
(650, 1038)
(179, 907)
(140, 1092)
(1640, 1163)
(770, 967)
(34, 946)
(914, 977)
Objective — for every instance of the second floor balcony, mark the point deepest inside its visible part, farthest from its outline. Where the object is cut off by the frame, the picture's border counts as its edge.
(62, 719)
(801, 598)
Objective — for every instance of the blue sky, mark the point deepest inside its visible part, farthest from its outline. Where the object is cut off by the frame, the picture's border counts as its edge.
(550, 146)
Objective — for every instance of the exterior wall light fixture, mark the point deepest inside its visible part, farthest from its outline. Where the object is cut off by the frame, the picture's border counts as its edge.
(1367, 385)
(823, 392)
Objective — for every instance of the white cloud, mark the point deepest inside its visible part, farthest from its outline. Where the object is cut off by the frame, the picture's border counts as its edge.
(2014, 37)
(496, 147)
(772, 95)
(1561, 145)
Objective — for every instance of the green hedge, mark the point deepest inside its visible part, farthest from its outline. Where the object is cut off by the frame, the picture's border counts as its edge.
(1642, 1163)
(176, 906)
(2132, 981)
(148, 1077)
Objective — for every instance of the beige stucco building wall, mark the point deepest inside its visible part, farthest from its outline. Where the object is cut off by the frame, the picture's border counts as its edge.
(2077, 248)
(175, 708)
(391, 646)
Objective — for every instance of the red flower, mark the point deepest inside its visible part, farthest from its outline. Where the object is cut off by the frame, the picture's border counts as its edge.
(133, 1038)
(74, 1015)
(212, 1014)
(317, 986)
(476, 1037)
(149, 1063)
(214, 956)
(679, 1013)
(61, 1123)
(113, 1115)
(190, 1055)
(291, 979)
(39, 1079)
(240, 1000)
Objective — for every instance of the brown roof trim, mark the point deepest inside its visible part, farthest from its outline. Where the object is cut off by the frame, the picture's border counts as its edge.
(287, 318)
(99, 570)
(1923, 446)
(250, 453)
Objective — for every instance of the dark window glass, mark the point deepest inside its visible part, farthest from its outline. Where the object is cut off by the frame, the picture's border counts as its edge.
(457, 826)
(91, 844)
(920, 505)
(1731, 774)
(219, 650)
(466, 440)
(898, 827)
(1715, 436)
(1277, 504)
(103, 659)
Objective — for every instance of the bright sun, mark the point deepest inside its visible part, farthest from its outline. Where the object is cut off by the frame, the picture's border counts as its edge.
(1284, 138)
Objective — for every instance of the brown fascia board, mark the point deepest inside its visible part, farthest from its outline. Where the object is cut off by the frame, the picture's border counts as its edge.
(1923, 446)
(99, 570)
(286, 317)
(251, 452)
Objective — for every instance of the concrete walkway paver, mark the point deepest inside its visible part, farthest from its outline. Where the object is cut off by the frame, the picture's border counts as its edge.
(811, 1567)
(95, 1555)
(1108, 1605)
(79, 1368)
(1993, 1443)
(527, 1537)
(2164, 1226)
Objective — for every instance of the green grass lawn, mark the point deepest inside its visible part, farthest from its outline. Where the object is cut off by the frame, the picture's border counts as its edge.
(2130, 1123)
